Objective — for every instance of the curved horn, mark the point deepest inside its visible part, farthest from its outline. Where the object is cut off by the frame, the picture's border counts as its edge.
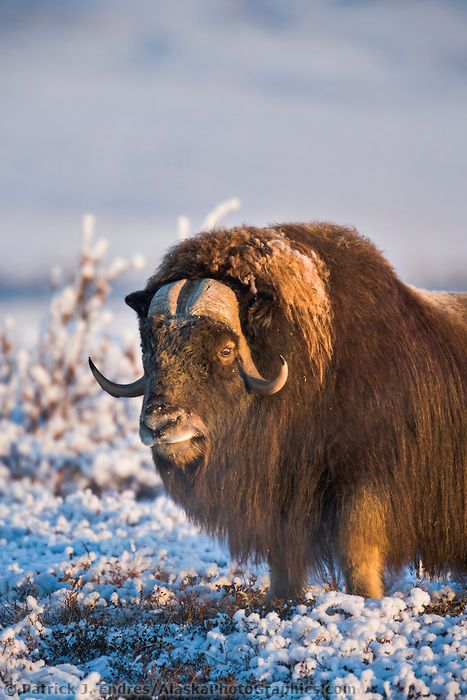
(118, 390)
(263, 386)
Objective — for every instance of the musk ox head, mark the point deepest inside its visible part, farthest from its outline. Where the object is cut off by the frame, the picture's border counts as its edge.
(199, 375)
(223, 309)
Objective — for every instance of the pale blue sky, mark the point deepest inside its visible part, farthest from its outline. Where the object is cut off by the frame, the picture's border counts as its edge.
(304, 109)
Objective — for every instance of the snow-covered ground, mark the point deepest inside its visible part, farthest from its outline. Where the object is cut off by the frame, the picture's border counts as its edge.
(118, 589)
(107, 588)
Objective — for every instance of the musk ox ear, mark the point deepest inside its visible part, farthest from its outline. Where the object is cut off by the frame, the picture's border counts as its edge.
(139, 301)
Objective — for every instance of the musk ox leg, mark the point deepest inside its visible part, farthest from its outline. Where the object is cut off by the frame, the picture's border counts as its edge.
(363, 545)
(284, 583)
(363, 571)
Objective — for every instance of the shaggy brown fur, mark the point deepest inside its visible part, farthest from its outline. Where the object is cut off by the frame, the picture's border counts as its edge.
(361, 458)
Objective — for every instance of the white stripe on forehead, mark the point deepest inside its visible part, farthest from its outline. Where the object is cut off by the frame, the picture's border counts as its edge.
(191, 298)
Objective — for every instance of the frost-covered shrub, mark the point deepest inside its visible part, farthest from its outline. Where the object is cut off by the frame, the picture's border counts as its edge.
(55, 421)
(52, 383)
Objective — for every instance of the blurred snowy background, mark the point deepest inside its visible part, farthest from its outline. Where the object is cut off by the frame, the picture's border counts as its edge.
(348, 110)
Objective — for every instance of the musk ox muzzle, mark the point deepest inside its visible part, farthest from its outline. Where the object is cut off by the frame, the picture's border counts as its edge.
(191, 299)
(162, 428)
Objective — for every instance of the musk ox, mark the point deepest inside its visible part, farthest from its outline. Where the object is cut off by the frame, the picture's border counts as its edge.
(304, 404)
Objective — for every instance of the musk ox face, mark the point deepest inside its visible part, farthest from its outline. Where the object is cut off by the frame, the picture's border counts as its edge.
(194, 390)
(199, 375)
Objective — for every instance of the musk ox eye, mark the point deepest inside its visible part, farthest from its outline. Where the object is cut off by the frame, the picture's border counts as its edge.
(226, 353)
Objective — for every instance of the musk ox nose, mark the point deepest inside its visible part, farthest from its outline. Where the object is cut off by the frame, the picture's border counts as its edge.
(156, 418)
(159, 427)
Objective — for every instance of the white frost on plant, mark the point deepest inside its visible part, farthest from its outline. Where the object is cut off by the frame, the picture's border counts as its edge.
(183, 228)
(88, 224)
(220, 212)
(214, 218)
